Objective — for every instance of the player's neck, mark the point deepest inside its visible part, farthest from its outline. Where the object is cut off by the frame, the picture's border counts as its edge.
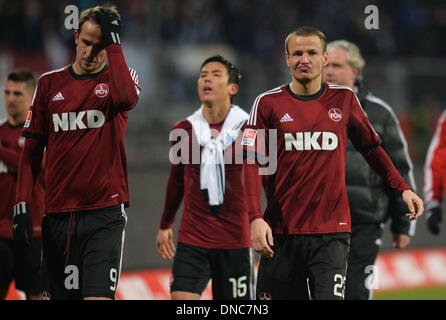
(306, 88)
(16, 121)
(81, 72)
(215, 113)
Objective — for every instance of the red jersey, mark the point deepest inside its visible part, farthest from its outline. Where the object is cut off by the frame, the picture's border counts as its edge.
(435, 164)
(11, 144)
(307, 193)
(83, 124)
(230, 230)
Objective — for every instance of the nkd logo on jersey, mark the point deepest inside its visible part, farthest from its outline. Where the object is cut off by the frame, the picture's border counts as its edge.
(311, 141)
(75, 120)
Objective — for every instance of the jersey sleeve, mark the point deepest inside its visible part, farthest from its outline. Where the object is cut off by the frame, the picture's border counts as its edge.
(175, 185)
(124, 83)
(255, 131)
(36, 122)
(254, 142)
(435, 165)
(360, 131)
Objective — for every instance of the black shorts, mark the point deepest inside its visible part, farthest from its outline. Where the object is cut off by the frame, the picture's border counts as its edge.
(82, 252)
(231, 271)
(20, 261)
(304, 266)
(364, 247)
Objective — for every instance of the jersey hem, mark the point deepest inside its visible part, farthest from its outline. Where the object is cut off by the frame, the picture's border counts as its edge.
(213, 247)
(86, 208)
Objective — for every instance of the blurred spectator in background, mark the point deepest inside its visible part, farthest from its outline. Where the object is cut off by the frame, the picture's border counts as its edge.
(435, 176)
(371, 200)
(19, 258)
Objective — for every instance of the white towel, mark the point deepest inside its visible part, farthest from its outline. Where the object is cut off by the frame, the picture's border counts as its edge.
(212, 166)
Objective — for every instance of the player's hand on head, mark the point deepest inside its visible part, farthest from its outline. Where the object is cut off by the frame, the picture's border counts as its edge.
(434, 218)
(22, 224)
(262, 238)
(110, 26)
(414, 203)
(164, 243)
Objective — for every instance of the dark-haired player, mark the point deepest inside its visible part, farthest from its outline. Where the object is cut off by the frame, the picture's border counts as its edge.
(304, 234)
(19, 258)
(213, 239)
(79, 113)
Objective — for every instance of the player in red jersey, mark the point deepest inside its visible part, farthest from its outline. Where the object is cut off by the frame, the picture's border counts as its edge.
(79, 113)
(303, 236)
(213, 239)
(19, 258)
(435, 176)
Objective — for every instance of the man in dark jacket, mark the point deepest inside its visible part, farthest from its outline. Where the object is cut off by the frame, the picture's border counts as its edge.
(371, 201)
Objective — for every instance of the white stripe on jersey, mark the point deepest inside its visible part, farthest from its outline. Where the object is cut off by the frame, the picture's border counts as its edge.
(253, 114)
(428, 178)
(46, 73)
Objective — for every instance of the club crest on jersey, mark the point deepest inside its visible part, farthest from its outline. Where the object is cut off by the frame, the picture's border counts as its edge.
(335, 114)
(101, 90)
(28, 119)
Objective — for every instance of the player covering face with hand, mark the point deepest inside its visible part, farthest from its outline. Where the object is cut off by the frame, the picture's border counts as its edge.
(79, 114)
(304, 234)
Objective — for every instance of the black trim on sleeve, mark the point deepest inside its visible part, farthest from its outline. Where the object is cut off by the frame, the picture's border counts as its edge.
(34, 136)
(373, 146)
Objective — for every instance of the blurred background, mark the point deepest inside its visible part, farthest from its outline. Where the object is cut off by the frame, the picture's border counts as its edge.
(166, 41)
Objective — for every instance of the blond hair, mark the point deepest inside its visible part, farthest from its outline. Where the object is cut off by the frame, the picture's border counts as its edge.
(307, 31)
(91, 14)
(353, 55)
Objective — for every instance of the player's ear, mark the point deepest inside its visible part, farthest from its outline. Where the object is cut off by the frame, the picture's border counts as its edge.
(325, 58)
(233, 89)
(76, 36)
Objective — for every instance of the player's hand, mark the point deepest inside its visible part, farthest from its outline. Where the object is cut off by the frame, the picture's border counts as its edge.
(414, 203)
(164, 243)
(110, 26)
(434, 218)
(262, 238)
(22, 222)
(400, 241)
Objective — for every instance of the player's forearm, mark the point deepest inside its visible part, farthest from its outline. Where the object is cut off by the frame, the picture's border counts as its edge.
(29, 168)
(253, 189)
(380, 162)
(10, 157)
(123, 90)
(174, 196)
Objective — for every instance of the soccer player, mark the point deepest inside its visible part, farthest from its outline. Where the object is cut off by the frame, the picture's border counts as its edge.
(213, 239)
(19, 257)
(79, 114)
(435, 176)
(371, 201)
(304, 234)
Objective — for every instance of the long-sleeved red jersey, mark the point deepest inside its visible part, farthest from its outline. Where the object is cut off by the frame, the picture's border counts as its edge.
(307, 194)
(81, 119)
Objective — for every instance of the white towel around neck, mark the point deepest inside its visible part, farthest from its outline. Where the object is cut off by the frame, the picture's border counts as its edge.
(212, 165)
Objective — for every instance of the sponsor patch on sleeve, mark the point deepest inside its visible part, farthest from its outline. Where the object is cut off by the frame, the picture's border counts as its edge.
(249, 137)
(28, 119)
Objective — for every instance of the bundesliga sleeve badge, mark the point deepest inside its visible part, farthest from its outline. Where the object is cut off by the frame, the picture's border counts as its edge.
(28, 119)
(249, 137)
